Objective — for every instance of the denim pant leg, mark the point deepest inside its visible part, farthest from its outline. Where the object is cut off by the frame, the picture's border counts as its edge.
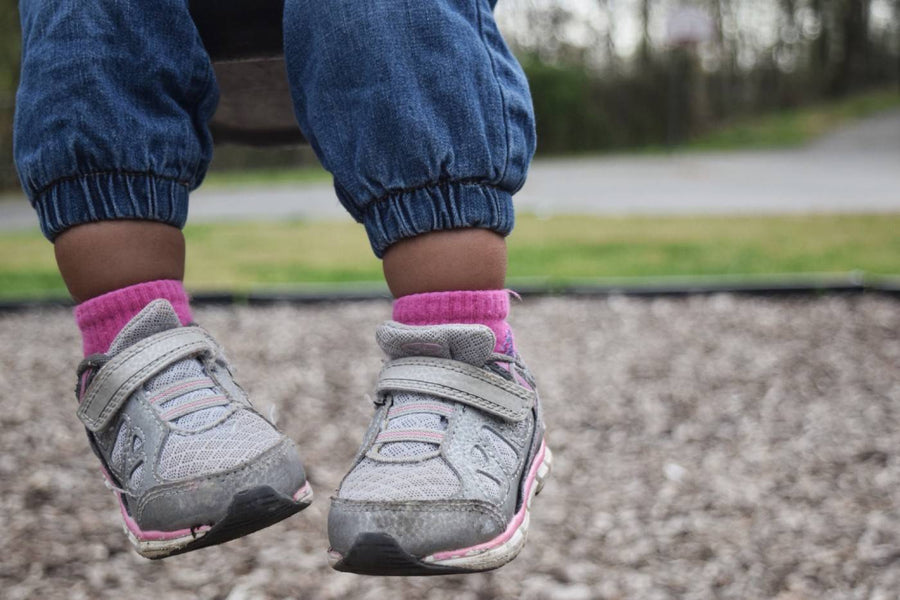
(418, 109)
(111, 110)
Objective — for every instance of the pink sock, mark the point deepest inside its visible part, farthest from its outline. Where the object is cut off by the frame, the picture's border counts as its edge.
(100, 319)
(487, 307)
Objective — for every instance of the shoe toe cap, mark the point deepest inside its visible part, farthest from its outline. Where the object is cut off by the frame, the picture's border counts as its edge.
(419, 528)
(205, 500)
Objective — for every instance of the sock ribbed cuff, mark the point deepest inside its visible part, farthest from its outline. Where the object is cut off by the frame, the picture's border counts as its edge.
(100, 319)
(485, 307)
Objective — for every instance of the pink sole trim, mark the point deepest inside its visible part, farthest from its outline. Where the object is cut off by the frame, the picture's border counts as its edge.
(156, 536)
(513, 525)
(150, 535)
(302, 492)
(161, 536)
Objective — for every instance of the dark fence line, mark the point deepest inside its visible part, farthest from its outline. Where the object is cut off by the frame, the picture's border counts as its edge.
(850, 283)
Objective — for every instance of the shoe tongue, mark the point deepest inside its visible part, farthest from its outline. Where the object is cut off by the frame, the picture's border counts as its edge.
(155, 317)
(471, 344)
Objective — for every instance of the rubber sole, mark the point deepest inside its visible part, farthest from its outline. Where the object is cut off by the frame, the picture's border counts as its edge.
(249, 511)
(379, 553)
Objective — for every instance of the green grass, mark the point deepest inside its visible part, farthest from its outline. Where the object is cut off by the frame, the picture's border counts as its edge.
(790, 128)
(261, 256)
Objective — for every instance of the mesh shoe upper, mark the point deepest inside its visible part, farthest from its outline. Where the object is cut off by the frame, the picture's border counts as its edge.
(473, 455)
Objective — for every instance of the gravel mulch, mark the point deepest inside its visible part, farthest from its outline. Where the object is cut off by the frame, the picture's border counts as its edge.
(706, 447)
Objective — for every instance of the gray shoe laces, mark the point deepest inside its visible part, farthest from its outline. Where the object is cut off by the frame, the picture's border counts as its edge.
(515, 372)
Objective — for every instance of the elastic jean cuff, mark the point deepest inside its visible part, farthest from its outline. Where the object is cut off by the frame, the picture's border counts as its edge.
(108, 196)
(443, 206)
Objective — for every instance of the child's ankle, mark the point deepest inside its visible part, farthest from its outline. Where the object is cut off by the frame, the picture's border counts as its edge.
(100, 319)
(485, 307)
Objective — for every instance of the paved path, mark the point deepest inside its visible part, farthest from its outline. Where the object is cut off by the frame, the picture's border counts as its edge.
(705, 447)
(855, 169)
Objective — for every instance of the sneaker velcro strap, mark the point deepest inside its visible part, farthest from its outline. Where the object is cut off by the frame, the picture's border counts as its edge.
(130, 368)
(457, 381)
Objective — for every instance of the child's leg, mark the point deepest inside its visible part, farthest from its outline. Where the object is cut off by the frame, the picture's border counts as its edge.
(110, 136)
(111, 112)
(419, 264)
(418, 109)
(424, 118)
(96, 258)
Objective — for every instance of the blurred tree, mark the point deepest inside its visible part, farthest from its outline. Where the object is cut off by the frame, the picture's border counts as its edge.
(645, 53)
(764, 55)
(9, 79)
(851, 62)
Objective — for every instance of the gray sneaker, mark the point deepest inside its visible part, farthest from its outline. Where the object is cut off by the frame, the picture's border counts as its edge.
(444, 480)
(190, 461)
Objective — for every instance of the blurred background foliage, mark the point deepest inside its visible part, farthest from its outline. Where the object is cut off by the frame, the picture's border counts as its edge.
(613, 74)
(621, 74)
(10, 43)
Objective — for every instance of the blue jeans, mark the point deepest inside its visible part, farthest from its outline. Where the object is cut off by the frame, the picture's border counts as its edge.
(417, 107)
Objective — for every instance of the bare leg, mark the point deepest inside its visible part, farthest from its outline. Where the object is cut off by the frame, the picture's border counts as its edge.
(96, 258)
(459, 259)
